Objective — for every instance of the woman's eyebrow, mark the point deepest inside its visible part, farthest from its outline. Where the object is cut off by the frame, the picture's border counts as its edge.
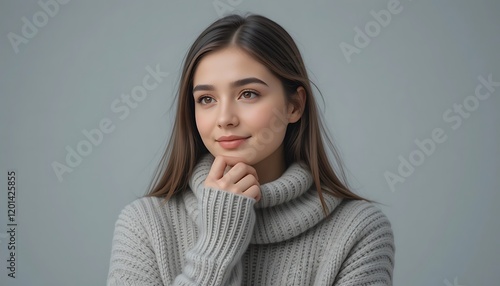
(234, 84)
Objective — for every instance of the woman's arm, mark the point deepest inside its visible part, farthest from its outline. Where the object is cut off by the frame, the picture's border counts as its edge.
(133, 261)
(226, 222)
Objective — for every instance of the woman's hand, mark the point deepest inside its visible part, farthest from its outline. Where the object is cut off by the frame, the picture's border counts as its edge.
(236, 177)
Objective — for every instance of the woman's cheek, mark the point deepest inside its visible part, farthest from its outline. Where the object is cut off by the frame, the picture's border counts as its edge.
(203, 126)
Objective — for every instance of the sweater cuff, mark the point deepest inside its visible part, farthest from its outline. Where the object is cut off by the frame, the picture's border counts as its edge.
(226, 224)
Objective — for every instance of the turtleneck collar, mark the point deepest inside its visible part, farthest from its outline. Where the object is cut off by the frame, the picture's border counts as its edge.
(289, 205)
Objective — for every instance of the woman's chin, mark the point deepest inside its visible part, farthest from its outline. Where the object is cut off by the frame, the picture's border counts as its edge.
(232, 157)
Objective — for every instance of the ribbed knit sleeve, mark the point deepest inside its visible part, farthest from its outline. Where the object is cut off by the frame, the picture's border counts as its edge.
(133, 261)
(226, 223)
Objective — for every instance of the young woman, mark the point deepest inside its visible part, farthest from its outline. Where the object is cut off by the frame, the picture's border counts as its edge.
(245, 193)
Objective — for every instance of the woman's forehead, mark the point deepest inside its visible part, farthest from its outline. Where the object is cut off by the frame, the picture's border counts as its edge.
(229, 65)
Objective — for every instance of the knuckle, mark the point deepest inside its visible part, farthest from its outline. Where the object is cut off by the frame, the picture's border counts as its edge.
(228, 177)
(234, 190)
(252, 170)
(223, 184)
(252, 179)
(239, 165)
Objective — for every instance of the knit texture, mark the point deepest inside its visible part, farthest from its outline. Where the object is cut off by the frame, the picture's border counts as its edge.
(205, 236)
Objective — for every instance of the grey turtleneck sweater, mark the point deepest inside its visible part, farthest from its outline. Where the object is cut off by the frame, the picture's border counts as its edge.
(205, 236)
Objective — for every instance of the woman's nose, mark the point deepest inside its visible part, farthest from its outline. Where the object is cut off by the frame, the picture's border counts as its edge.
(227, 115)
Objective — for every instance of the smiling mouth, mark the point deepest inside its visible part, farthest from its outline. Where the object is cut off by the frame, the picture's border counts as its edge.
(231, 143)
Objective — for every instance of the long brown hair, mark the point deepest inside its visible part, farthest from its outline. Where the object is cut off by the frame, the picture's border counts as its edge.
(304, 141)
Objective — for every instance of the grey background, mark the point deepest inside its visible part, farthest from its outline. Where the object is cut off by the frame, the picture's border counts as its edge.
(396, 90)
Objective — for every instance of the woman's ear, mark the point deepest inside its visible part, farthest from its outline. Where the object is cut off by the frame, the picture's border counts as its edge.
(296, 105)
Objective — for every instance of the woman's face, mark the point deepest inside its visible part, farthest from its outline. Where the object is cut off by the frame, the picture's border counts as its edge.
(240, 107)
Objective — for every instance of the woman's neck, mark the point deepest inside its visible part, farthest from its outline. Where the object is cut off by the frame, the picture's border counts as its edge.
(272, 167)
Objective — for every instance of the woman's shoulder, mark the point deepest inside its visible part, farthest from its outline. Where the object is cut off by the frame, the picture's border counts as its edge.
(360, 237)
(144, 205)
(359, 218)
(145, 210)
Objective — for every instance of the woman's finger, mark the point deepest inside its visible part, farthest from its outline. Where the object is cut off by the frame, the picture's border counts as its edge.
(245, 183)
(253, 192)
(217, 170)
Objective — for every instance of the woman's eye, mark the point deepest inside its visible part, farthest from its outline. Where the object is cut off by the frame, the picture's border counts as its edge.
(205, 100)
(248, 94)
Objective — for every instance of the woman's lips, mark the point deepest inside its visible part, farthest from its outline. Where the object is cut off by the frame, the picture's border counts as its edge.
(231, 143)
